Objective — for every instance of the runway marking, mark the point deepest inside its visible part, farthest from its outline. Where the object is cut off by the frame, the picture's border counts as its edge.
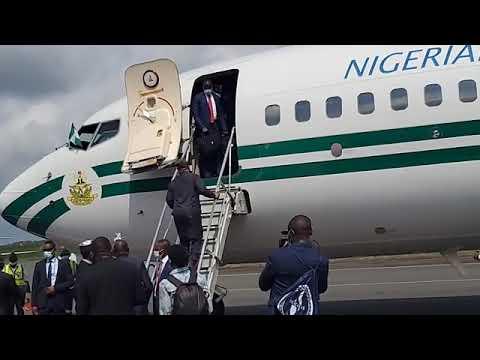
(247, 274)
(368, 268)
(379, 283)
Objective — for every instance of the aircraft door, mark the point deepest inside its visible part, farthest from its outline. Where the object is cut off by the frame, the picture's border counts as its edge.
(154, 115)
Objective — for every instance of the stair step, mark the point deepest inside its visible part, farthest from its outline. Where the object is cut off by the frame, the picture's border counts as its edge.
(215, 214)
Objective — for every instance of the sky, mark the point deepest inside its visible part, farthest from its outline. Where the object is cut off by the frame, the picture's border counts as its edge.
(43, 89)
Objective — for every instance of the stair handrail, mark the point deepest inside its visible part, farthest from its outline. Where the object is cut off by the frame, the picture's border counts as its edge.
(228, 154)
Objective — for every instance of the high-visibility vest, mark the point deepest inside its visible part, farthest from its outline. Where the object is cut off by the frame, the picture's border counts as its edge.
(17, 273)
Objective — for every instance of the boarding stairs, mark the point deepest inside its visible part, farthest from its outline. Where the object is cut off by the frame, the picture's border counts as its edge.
(216, 216)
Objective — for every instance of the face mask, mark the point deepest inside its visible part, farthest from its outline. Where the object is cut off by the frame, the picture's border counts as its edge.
(207, 91)
(47, 254)
(156, 253)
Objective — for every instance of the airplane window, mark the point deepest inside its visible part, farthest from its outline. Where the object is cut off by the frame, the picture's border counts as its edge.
(334, 107)
(302, 111)
(366, 104)
(399, 99)
(86, 134)
(467, 90)
(107, 130)
(433, 95)
(272, 115)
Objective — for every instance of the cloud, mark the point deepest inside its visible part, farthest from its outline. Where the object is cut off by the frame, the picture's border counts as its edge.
(43, 89)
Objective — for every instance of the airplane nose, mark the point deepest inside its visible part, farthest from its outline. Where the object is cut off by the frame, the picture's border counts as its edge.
(7, 196)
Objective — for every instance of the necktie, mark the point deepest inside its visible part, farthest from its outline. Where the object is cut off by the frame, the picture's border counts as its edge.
(49, 272)
(210, 108)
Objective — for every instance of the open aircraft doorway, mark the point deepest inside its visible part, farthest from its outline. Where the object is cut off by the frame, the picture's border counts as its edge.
(225, 87)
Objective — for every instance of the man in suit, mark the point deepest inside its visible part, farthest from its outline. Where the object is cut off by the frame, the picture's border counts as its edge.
(183, 198)
(86, 249)
(160, 252)
(111, 286)
(8, 292)
(121, 251)
(52, 278)
(287, 264)
(210, 127)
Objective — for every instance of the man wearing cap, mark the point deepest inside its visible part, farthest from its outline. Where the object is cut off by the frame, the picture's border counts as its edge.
(210, 126)
(86, 249)
(14, 269)
(183, 197)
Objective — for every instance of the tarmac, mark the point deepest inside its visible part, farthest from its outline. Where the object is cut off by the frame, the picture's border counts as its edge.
(421, 284)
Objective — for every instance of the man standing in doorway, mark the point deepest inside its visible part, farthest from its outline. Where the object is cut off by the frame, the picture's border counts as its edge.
(210, 127)
(183, 197)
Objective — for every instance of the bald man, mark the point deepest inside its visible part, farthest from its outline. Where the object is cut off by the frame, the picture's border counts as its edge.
(287, 264)
(121, 251)
(110, 286)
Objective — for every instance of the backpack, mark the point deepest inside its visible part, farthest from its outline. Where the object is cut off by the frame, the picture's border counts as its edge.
(301, 298)
(189, 299)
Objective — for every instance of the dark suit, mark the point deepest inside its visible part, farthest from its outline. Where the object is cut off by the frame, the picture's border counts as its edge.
(287, 264)
(145, 282)
(163, 275)
(82, 268)
(8, 294)
(211, 156)
(51, 304)
(183, 197)
(110, 287)
(201, 112)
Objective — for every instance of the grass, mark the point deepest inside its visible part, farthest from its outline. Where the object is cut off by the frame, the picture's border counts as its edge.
(23, 246)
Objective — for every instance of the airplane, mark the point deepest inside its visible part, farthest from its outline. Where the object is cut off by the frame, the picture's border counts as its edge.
(378, 145)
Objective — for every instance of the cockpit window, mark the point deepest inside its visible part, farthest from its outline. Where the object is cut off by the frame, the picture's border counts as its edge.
(107, 130)
(94, 134)
(86, 134)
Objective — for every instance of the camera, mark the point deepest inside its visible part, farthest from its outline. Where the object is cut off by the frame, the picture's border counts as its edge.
(283, 239)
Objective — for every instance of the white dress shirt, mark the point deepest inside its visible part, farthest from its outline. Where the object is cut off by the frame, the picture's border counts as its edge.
(54, 265)
(214, 107)
(161, 266)
(164, 262)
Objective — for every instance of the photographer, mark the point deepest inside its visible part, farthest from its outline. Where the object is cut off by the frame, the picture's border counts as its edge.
(291, 269)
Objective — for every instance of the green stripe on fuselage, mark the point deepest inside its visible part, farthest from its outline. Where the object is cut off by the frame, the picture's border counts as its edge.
(24, 202)
(135, 186)
(381, 162)
(370, 138)
(41, 222)
(112, 168)
(446, 130)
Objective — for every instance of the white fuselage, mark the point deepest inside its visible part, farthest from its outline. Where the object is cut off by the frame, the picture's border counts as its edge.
(406, 180)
